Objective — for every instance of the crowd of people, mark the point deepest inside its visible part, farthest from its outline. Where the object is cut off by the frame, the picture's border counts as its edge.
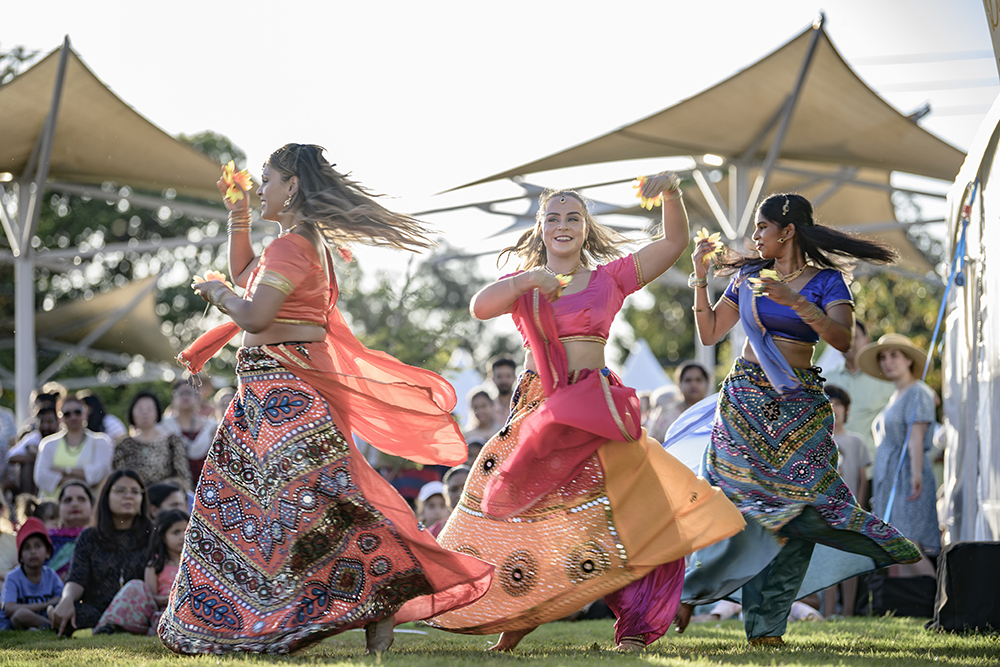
(253, 522)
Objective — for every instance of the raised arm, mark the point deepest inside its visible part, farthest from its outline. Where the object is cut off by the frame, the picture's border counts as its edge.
(496, 299)
(242, 260)
(658, 256)
(712, 323)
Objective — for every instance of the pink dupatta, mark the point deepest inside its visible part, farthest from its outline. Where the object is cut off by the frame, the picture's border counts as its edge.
(400, 409)
(572, 423)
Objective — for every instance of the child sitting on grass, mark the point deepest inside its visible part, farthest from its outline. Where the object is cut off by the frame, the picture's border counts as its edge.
(138, 605)
(31, 587)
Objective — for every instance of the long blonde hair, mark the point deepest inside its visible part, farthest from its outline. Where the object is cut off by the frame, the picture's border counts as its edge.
(342, 209)
(601, 245)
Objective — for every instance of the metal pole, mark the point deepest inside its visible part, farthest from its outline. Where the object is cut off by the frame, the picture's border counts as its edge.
(779, 139)
(25, 363)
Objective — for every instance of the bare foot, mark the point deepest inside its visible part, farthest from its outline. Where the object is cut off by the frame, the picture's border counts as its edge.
(510, 639)
(632, 644)
(683, 616)
(379, 636)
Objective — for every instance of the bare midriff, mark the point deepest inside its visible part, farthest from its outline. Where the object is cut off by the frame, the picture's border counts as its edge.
(798, 355)
(580, 355)
(280, 332)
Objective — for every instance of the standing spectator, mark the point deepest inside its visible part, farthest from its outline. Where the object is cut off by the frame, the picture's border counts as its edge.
(99, 421)
(21, 459)
(72, 453)
(870, 393)
(483, 422)
(150, 450)
(904, 430)
(76, 505)
(854, 462)
(32, 586)
(187, 423)
(109, 553)
(503, 374)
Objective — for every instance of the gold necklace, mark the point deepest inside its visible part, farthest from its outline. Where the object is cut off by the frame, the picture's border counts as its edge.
(791, 276)
(568, 273)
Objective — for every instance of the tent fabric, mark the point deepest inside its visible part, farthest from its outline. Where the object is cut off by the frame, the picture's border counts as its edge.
(98, 137)
(838, 120)
(971, 362)
(138, 332)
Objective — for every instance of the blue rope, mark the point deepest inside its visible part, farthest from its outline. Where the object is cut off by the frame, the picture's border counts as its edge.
(955, 277)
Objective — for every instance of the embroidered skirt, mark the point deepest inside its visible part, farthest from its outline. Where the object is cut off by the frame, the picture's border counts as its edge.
(633, 509)
(774, 457)
(294, 537)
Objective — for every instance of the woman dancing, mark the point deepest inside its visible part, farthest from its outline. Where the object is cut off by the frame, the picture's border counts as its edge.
(772, 449)
(293, 536)
(570, 500)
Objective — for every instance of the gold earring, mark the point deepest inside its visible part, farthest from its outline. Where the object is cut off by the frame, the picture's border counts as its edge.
(779, 240)
(288, 202)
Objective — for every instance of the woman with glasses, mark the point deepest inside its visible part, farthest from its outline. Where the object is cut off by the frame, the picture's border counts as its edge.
(107, 555)
(74, 453)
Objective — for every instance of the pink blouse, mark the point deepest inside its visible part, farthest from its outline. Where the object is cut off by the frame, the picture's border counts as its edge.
(165, 579)
(587, 314)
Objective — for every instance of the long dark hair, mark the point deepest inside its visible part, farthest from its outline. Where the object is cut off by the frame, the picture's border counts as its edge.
(342, 209)
(157, 548)
(104, 522)
(824, 247)
(95, 411)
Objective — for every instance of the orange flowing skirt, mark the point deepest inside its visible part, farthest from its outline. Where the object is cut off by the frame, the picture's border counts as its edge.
(631, 509)
(294, 537)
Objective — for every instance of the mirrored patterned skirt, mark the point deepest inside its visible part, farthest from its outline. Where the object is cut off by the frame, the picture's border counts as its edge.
(632, 509)
(294, 537)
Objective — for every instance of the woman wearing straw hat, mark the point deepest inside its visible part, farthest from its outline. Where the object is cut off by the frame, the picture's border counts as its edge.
(913, 512)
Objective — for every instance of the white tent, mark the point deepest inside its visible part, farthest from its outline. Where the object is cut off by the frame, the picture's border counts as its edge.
(642, 371)
(971, 360)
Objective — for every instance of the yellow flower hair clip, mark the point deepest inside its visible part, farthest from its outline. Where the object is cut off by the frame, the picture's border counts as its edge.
(237, 182)
(646, 202)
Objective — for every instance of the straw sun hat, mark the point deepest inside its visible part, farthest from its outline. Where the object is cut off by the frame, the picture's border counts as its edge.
(868, 356)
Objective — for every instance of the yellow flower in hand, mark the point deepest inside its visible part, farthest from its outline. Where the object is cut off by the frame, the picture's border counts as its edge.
(769, 273)
(564, 280)
(646, 202)
(211, 275)
(715, 238)
(237, 181)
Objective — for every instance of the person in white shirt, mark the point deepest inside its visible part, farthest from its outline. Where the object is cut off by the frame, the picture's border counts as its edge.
(72, 453)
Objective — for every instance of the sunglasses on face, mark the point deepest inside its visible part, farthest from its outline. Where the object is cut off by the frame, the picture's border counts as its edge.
(71, 413)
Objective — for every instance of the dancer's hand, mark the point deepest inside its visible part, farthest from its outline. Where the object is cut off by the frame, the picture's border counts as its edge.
(777, 291)
(238, 206)
(704, 250)
(546, 283)
(665, 181)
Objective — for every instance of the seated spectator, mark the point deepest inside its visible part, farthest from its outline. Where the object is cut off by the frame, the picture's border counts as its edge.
(21, 459)
(72, 453)
(692, 382)
(431, 508)
(8, 435)
(8, 542)
(109, 553)
(99, 421)
(482, 422)
(475, 446)
(31, 587)
(76, 504)
(165, 496)
(186, 422)
(454, 485)
(28, 506)
(150, 450)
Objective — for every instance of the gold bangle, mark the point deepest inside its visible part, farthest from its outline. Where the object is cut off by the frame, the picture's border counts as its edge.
(239, 216)
(700, 310)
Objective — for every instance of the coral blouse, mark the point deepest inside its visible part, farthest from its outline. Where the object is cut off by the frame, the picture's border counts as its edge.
(308, 289)
(587, 314)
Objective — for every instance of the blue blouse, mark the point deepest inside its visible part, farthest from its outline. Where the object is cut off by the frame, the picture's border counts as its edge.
(827, 288)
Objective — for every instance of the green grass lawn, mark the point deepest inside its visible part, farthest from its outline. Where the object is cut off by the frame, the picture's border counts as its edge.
(886, 642)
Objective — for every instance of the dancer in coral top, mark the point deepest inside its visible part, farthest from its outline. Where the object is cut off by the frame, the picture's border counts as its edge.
(293, 536)
(570, 500)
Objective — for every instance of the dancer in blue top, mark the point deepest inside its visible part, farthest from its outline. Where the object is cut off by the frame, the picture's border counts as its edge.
(772, 450)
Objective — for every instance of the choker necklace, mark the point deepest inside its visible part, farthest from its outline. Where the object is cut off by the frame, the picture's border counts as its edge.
(568, 273)
(289, 231)
(791, 276)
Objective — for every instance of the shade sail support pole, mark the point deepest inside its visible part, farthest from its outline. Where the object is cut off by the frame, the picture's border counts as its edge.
(774, 151)
(25, 363)
(714, 199)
